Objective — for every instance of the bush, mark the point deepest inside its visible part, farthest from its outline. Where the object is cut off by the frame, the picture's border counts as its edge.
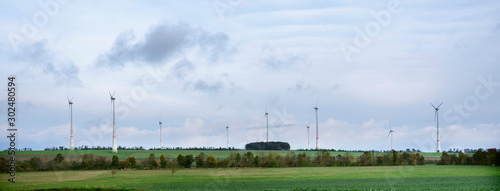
(200, 160)
(188, 161)
(163, 162)
(59, 158)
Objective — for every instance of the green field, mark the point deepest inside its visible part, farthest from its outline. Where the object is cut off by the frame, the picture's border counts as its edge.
(170, 154)
(428, 177)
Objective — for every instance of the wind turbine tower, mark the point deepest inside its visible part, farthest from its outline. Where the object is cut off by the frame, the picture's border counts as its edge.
(267, 124)
(227, 132)
(308, 142)
(72, 142)
(391, 132)
(436, 117)
(317, 134)
(161, 140)
(114, 149)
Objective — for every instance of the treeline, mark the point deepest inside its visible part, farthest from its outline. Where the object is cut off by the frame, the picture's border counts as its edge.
(248, 159)
(480, 157)
(268, 146)
(381, 151)
(85, 147)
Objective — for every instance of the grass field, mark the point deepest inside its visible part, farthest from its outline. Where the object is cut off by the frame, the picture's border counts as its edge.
(170, 154)
(428, 177)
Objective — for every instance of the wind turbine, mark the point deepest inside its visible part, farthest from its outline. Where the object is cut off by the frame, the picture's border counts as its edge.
(317, 134)
(391, 132)
(436, 118)
(72, 143)
(161, 141)
(227, 132)
(308, 143)
(267, 124)
(114, 149)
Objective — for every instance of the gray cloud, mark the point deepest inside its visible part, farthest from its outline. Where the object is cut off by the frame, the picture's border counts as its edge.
(161, 42)
(496, 29)
(277, 58)
(301, 86)
(214, 45)
(276, 62)
(65, 72)
(182, 68)
(209, 87)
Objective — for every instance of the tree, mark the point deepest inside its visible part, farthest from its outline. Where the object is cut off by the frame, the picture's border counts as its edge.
(479, 157)
(152, 161)
(180, 160)
(445, 159)
(59, 158)
(248, 159)
(322, 158)
(188, 161)
(131, 160)
(173, 167)
(394, 157)
(211, 162)
(35, 163)
(404, 158)
(366, 159)
(200, 160)
(114, 162)
(102, 163)
(453, 159)
(420, 159)
(163, 162)
(460, 159)
(490, 157)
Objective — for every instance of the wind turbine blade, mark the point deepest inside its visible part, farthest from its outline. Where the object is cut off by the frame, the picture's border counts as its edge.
(114, 93)
(440, 104)
(316, 103)
(433, 106)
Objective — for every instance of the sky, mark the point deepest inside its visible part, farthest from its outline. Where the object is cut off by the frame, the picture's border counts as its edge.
(201, 65)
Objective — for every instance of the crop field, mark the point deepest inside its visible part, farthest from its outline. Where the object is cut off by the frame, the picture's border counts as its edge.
(169, 154)
(429, 177)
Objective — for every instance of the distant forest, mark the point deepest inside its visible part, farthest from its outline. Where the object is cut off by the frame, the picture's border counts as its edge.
(268, 146)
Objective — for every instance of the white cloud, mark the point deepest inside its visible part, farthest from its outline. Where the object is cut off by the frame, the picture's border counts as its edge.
(279, 54)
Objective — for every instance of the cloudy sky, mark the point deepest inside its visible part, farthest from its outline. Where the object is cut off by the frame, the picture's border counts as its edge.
(200, 65)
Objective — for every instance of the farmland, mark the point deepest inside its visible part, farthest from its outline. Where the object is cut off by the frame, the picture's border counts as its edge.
(428, 177)
(169, 154)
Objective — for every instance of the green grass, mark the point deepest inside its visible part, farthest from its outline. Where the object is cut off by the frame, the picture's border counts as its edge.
(429, 177)
(170, 154)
